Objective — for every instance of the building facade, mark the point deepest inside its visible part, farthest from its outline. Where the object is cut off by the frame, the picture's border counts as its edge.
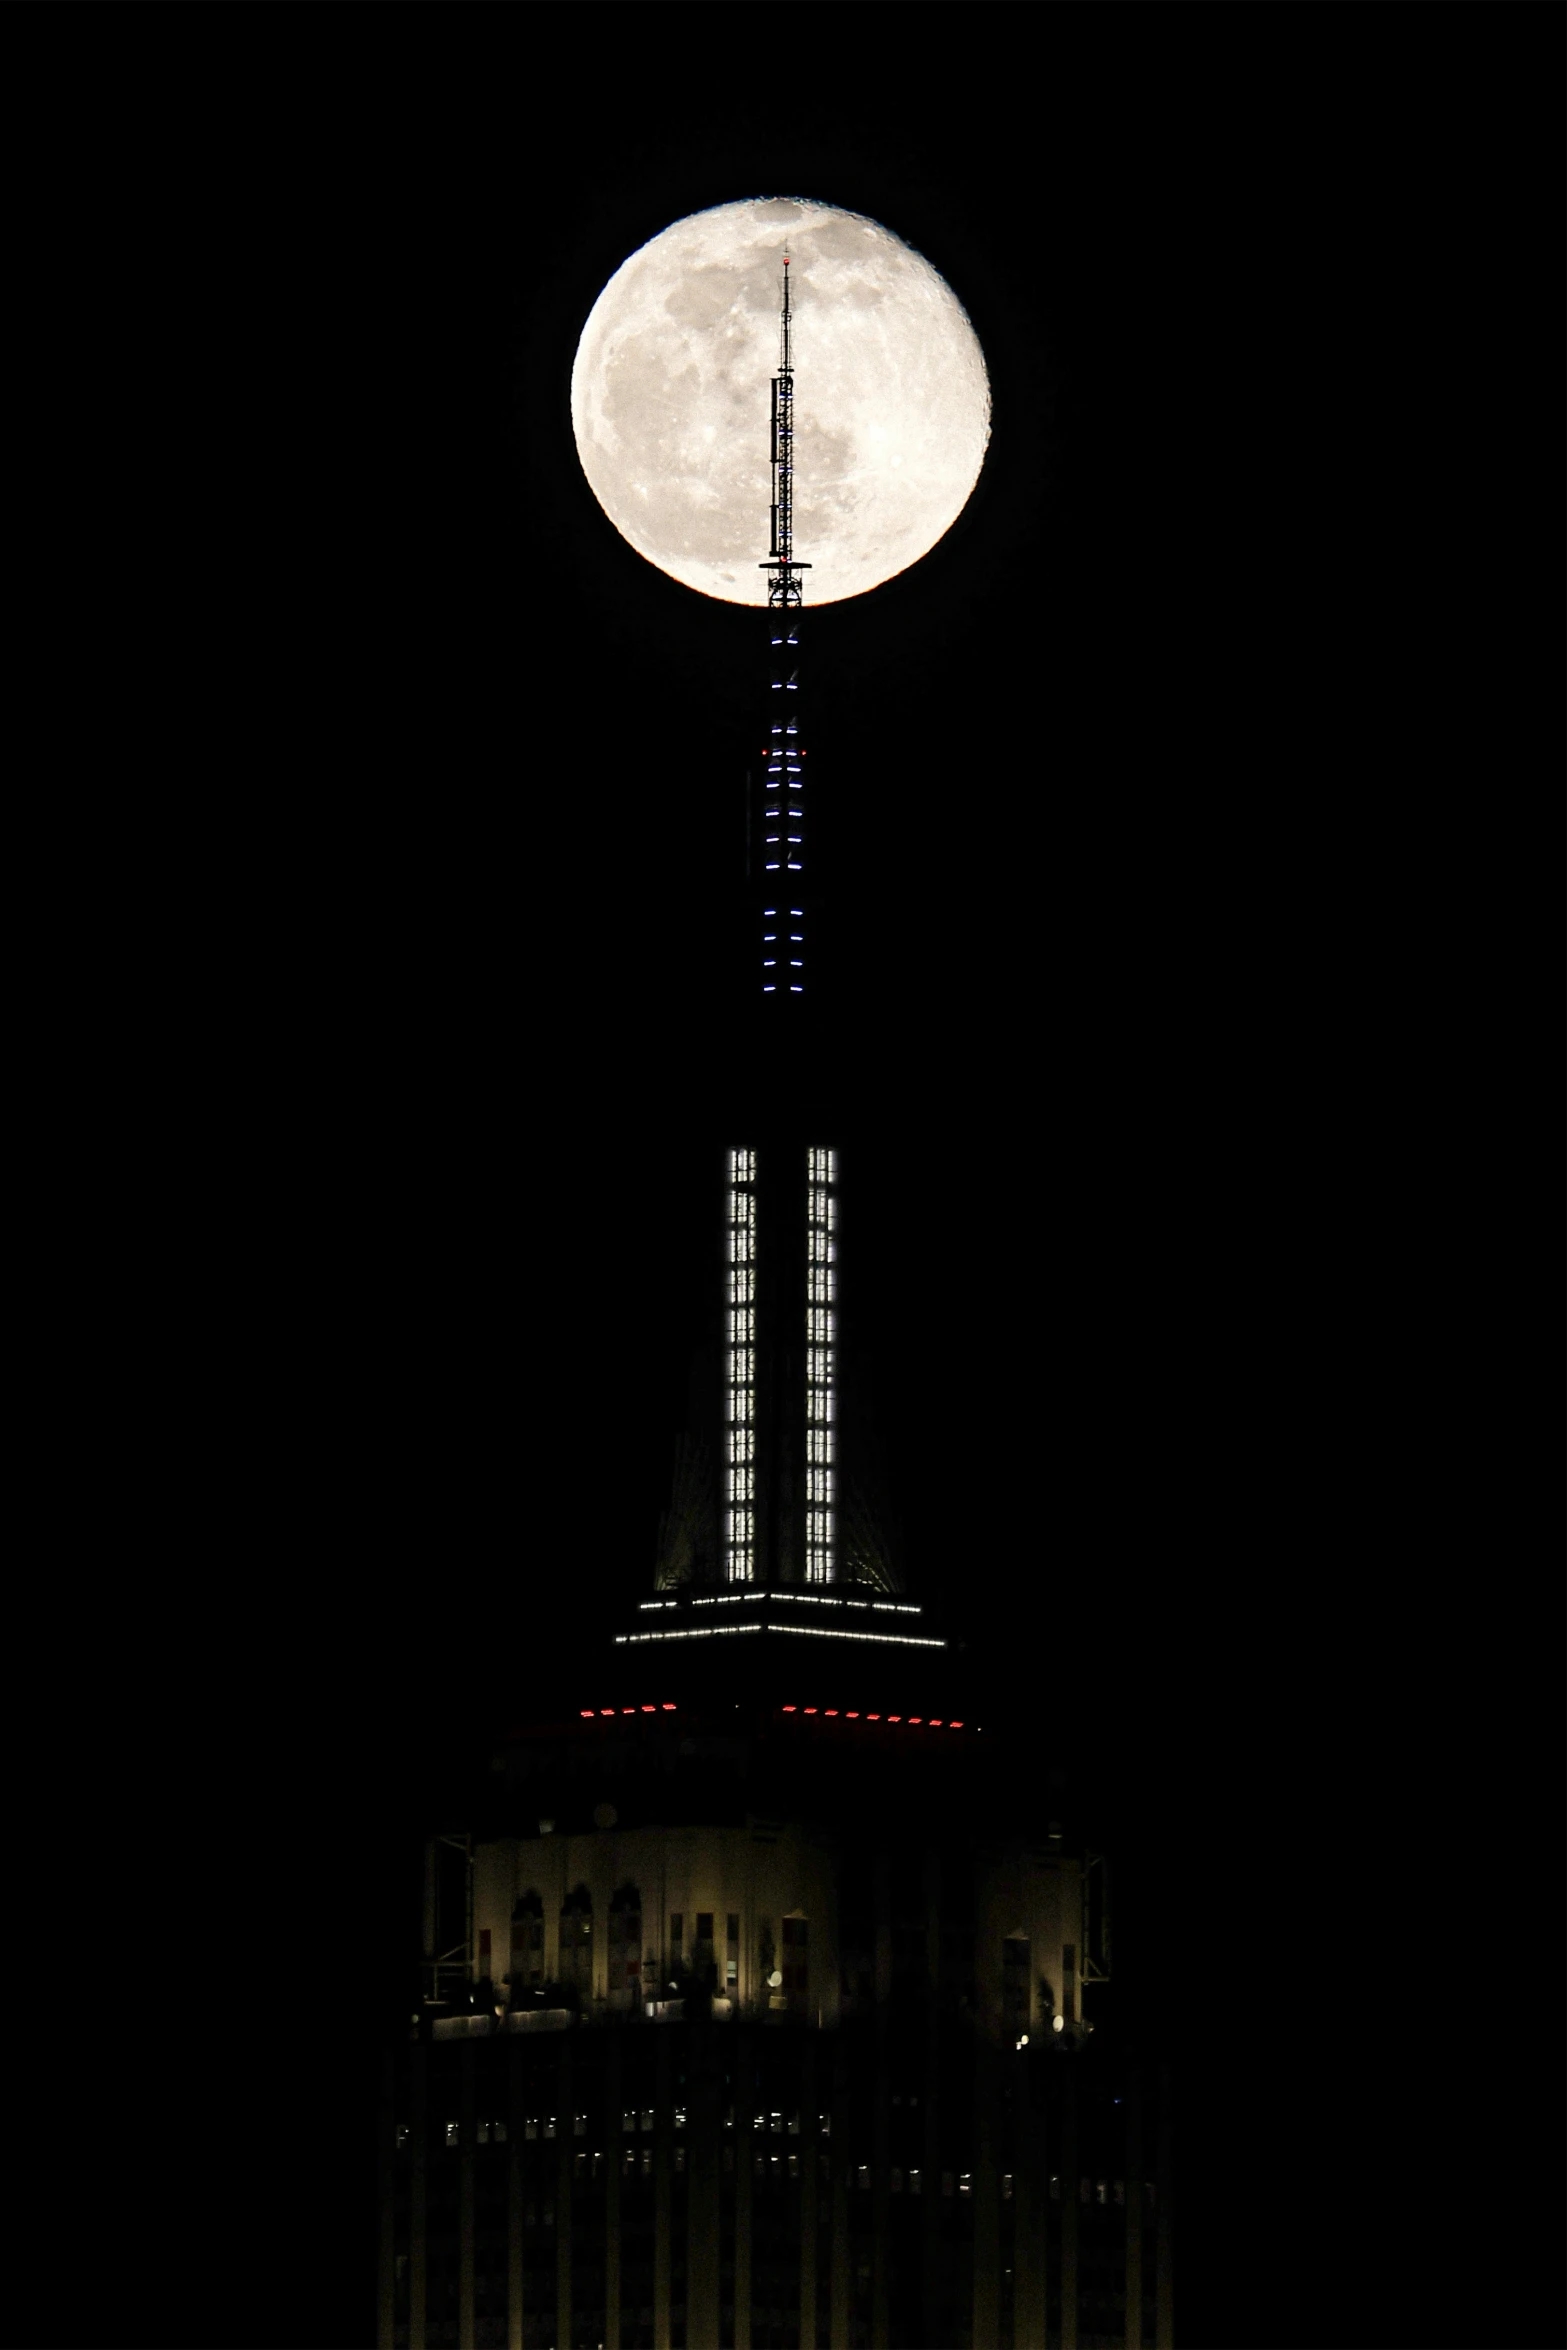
(775, 2026)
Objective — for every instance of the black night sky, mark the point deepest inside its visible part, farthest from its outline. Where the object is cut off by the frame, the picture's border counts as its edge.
(1165, 1039)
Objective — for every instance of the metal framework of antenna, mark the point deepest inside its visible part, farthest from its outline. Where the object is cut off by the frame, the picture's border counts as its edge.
(785, 585)
(781, 865)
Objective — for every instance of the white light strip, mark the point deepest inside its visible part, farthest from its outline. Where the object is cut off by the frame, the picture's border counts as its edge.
(697, 1632)
(740, 1367)
(820, 1365)
(801, 1631)
(827, 1632)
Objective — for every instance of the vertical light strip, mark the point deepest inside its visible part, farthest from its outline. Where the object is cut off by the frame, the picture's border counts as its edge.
(821, 1359)
(740, 1373)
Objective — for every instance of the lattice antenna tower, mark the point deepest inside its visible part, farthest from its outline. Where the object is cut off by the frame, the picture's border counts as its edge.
(782, 829)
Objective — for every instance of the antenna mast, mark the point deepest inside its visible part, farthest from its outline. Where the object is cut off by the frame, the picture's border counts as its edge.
(782, 831)
(785, 585)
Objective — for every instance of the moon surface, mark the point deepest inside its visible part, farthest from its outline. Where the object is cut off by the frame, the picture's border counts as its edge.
(671, 399)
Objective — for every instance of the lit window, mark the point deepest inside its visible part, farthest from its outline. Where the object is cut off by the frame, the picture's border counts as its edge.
(914, 2182)
(1006, 2186)
(647, 2162)
(484, 2133)
(498, 2133)
(680, 2158)
(451, 2133)
(965, 2182)
(402, 2135)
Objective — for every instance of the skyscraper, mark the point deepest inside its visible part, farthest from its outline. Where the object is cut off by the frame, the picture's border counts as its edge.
(755, 2004)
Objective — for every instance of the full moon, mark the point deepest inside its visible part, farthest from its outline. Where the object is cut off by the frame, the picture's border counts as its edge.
(671, 397)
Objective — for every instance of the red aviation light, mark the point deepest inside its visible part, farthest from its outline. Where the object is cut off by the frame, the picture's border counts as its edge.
(873, 1717)
(954, 1725)
(791, 1709)
(606, 1709)
(586, 1712)
(830, 1711)
(628, 1709)
(851, 1717)
(916, 1720)
(811, 1709)
(650, 1709)
(669, 1705)
(935, 1725)
(895, 1717)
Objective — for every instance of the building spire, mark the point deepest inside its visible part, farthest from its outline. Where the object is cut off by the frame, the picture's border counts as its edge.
(778, 872)
(785, 585)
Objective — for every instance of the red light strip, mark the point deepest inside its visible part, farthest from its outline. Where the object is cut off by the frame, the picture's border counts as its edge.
(834, 1713)
(667, 1706)
(831, 1713)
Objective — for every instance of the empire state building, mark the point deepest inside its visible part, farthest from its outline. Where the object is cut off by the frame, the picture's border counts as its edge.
(757, 1998)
